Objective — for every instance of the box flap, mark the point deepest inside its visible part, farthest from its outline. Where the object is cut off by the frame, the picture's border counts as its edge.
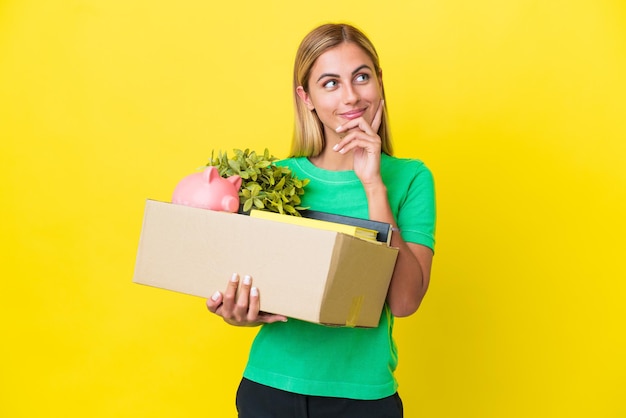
(361, 273)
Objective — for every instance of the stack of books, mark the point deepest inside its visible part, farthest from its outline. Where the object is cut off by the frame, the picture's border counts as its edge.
(367, 229)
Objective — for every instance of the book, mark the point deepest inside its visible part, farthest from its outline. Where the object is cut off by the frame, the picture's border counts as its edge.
(354, 230)
(383, 228)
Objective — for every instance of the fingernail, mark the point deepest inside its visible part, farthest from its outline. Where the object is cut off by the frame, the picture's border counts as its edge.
(336, 147)
(215, 296)
(254, 291)
(246, 280)
(234, 278)
(338, 128)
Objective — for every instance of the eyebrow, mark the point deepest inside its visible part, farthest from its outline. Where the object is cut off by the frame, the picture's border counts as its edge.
(337, 75)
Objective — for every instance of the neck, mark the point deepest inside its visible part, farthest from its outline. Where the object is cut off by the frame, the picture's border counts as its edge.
(332, 160)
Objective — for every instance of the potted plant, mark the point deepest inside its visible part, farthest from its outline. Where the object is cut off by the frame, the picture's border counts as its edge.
(264, 185)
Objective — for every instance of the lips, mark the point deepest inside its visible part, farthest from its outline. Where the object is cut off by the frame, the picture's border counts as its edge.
(353, 114)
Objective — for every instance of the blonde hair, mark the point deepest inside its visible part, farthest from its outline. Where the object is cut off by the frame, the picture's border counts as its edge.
(308, 136)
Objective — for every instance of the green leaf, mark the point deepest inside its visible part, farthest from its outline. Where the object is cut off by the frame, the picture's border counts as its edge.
(280, 184)
(247, 205)
(255, 188)
(258, 203)
(234, 165)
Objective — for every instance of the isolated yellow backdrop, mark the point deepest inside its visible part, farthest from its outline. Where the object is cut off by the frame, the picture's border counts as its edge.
(518, 108)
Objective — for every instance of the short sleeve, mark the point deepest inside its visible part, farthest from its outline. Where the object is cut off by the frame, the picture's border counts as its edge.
(417, 213)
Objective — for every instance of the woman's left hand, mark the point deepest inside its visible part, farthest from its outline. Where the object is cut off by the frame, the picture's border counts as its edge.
(363, 139)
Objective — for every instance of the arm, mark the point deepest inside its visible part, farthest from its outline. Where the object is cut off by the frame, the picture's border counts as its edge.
(412, 272)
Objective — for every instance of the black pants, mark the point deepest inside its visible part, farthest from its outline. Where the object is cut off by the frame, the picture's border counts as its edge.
(259, 401)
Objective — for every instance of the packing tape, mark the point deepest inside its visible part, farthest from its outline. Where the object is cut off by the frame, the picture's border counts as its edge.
(355, 311)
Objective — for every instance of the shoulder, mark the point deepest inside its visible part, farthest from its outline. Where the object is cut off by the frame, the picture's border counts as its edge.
(288, 162)
(406, 167)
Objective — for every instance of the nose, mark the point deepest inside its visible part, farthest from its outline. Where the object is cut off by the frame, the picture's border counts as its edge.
(350, 94)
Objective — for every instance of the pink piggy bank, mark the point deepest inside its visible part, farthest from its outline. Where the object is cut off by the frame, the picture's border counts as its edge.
(208, 190)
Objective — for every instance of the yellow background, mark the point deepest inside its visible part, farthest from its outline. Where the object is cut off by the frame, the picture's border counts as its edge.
(517, 106)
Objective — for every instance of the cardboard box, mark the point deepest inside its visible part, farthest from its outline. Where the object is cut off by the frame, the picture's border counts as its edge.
(305, 273)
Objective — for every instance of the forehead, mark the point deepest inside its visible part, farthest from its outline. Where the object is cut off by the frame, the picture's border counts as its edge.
(340, 59)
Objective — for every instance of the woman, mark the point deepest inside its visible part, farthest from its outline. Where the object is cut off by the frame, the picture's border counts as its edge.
(341, 143)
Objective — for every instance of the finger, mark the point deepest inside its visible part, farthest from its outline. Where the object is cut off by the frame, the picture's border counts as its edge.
(243, 299)
(357, 140)
(268, 318)
(378, 117)
(214, 302)
(228, 298)
(355, 125)
(254, 313)
(254, 304)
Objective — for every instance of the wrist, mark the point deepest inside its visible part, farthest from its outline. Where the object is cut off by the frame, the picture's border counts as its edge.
(375, 189)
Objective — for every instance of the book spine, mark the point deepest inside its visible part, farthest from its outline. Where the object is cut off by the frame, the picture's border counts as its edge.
(383, 228)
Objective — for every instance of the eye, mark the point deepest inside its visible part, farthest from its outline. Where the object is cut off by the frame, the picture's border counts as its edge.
(362, 78)
(330, 84)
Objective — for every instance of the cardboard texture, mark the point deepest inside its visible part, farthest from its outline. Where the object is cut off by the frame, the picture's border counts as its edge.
(305, 273)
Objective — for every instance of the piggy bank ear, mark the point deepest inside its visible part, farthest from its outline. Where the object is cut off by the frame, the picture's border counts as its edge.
(235, 180)
(210, 174)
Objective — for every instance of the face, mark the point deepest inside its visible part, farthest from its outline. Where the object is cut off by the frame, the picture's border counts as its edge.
(343, 85)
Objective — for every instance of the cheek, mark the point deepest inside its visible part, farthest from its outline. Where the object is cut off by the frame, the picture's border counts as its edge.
(376, 92)
(323, 105)
(326, 113)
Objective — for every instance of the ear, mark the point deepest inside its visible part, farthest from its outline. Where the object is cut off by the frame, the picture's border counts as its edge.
(210, 173)
(305, 97)
(235, 180)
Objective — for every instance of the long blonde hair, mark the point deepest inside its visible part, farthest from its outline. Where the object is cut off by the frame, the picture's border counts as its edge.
(308, 136)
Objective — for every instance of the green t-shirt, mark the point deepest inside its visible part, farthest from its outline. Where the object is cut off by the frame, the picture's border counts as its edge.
(357, 363)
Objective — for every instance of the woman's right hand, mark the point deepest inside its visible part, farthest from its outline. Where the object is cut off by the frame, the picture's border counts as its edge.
(239, 305)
